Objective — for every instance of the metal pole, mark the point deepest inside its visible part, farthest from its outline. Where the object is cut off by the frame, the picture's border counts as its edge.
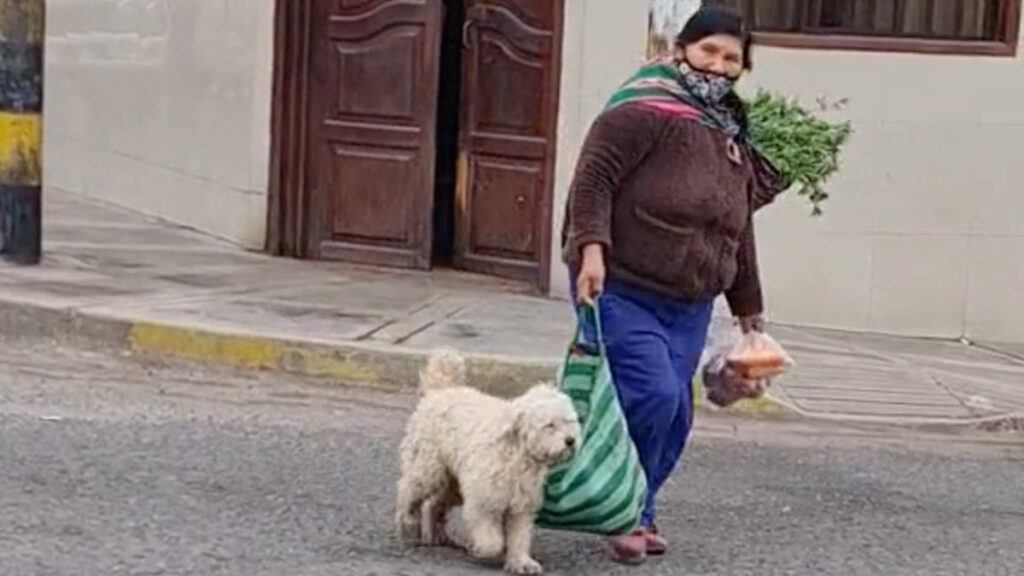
(22, 30)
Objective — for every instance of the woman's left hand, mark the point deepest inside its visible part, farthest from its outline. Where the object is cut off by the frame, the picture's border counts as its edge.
(753, 323)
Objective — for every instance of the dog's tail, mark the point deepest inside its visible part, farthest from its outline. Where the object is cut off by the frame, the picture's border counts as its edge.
(444, 369)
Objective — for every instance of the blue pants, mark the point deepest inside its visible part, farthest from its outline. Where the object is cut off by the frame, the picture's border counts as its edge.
(654, 344)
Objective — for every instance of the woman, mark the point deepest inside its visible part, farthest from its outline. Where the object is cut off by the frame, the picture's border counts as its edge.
(659, 223)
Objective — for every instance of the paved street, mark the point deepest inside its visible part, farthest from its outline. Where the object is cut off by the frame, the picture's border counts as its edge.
(108, 467)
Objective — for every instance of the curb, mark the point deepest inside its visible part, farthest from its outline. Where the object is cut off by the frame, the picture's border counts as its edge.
(351, 363)
(348, 363)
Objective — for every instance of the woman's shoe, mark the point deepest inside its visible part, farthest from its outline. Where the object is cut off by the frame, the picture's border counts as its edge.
(629, 549)
(656, 544)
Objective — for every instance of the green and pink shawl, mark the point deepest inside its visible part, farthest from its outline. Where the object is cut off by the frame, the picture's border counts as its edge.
(658, 85)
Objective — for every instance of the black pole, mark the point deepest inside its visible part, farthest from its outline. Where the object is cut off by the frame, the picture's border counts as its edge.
(22, 26)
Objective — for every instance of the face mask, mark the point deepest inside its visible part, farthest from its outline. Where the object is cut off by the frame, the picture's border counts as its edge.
(710, 87)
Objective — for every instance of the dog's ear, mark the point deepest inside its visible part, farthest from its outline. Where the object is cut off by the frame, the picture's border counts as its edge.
(514, 426)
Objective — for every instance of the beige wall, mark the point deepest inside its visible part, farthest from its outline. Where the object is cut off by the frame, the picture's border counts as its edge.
(924, 233)
(163, 106)
(604, 41)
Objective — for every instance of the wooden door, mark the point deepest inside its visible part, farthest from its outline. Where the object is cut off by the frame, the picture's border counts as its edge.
(373, 69)
(507, 137)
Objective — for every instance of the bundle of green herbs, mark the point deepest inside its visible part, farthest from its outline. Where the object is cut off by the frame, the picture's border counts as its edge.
(804, 147)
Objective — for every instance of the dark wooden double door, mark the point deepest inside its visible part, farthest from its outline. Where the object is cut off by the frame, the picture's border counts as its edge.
(427, 119)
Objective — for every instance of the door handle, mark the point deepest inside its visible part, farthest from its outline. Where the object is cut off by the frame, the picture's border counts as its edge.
(466, 26)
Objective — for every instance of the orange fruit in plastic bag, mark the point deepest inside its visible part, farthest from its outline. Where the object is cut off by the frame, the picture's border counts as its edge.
(753, 360)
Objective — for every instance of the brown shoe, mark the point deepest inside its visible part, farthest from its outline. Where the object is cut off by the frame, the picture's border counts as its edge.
(656, 544)
(629, 549)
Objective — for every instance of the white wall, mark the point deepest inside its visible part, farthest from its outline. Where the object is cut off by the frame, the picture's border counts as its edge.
(163, 106)
(923, 235)
(604, 41)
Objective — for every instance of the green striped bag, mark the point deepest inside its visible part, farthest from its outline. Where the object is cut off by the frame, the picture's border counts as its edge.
(601, 490)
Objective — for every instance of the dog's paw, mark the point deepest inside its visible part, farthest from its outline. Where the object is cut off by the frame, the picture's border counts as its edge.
(437, 536)
(407, 529)
(524, 565)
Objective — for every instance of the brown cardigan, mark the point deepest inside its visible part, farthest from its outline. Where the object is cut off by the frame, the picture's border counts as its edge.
(671, 208)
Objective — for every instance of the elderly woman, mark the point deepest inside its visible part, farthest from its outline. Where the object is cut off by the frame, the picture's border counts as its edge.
(659, 223)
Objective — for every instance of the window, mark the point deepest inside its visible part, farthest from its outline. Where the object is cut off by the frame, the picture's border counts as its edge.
(983, 27)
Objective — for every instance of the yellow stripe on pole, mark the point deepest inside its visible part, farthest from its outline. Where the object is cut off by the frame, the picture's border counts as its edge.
(20, 139)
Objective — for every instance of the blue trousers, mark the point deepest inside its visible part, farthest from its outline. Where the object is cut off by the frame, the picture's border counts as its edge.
(654, 344)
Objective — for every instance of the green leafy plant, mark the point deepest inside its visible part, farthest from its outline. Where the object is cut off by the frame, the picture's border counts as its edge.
(802, 146)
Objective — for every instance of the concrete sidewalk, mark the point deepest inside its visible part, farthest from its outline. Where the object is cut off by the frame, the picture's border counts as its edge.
(112, 278)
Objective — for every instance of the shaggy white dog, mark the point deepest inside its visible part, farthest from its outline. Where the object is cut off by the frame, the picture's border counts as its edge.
(489, 455)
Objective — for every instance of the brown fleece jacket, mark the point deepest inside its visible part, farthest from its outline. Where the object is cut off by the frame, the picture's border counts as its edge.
(671, 205)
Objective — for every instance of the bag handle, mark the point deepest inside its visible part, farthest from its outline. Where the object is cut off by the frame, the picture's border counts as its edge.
(583, 311)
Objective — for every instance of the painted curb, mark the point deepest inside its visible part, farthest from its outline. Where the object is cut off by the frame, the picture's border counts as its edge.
(352, 363)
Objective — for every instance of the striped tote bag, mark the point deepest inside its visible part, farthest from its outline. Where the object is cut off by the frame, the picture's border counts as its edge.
(601, 490)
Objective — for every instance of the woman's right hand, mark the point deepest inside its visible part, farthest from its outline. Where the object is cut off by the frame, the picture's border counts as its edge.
(590, 282)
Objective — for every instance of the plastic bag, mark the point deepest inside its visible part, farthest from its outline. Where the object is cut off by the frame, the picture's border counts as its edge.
(737, 366)
(757, 356)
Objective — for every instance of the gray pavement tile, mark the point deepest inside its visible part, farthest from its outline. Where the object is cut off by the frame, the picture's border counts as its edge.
(387, 298)
(255, 277)
(937, 399)
(248, 316)
(74, 292)
(139, 236)
(121, 258)
(542, 341)
(403, 329)
(48, 273)
(886, 409)
(66, 207)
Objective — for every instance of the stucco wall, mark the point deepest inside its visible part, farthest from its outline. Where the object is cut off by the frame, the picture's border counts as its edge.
(163, 106)
(603, 43)
(923, 235)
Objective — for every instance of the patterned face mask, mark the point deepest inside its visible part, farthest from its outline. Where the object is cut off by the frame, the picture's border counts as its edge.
(709, 87)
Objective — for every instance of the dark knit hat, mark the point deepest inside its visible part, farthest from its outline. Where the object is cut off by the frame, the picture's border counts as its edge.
(711, 20)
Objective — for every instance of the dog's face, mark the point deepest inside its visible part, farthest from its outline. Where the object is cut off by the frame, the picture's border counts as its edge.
(547, 424)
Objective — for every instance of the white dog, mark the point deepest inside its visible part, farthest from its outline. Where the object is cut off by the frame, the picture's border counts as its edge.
(489, 455)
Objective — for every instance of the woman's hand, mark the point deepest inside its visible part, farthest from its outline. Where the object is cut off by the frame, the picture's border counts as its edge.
(753, 323)
(590, 282)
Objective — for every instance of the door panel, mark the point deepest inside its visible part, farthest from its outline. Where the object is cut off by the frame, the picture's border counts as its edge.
(360, 211)
(372, 103)
(507, 139)
(506, 228)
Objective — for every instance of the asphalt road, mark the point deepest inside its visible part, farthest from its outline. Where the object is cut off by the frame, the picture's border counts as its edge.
(109, 467)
